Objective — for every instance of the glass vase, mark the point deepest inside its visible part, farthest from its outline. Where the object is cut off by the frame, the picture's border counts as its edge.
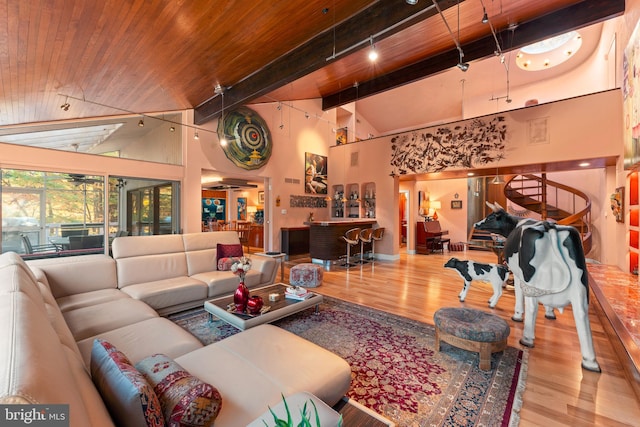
(240, 297)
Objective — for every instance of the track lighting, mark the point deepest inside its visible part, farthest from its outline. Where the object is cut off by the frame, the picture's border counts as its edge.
(412, 2)
(373, 54)
(142, 116)
(485, 17)
(464, 66)
(196, 136)
(219, 90)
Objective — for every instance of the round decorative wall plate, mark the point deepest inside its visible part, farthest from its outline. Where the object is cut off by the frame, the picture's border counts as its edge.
(248, 138)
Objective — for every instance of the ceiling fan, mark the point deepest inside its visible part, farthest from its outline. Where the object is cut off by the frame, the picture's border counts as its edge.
(78, 179)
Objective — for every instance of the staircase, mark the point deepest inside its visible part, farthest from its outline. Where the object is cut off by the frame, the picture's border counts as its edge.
(554, 201)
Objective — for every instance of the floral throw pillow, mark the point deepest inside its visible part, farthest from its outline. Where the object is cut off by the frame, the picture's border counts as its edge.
(185, 400)
(228, 251)
(129, 397)
(224, 264)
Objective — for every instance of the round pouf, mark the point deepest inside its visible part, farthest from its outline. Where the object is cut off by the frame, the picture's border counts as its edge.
(472, 330)
(307, 275)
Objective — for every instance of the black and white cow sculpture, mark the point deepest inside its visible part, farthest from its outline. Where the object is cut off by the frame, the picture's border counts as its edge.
(549, 267)
(495, 274)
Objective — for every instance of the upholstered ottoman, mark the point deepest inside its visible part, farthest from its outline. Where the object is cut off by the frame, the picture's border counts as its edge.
(472, 330)
(306, 275)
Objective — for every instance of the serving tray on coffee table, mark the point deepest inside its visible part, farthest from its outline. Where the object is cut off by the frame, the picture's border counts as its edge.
(280, 308)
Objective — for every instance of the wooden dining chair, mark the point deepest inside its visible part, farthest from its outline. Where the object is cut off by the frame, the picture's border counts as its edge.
(244, 229)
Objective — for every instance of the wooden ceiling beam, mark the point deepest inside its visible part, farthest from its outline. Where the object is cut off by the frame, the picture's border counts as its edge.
(382, 18)
(573, 17)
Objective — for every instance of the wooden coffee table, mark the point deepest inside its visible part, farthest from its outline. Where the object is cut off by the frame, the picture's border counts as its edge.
(283, 307)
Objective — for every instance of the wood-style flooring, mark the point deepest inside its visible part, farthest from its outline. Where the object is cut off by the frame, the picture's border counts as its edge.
(558, 391)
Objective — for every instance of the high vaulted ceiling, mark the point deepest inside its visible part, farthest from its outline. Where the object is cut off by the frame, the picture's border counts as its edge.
(152, 56)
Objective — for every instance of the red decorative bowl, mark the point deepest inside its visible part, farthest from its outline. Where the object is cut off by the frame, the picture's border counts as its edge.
(254, 305)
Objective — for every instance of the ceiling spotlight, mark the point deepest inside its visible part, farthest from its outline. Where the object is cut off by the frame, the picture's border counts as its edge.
(141, 123)
(464, 66)
(196, 136)
(485, 17)
(373, 53)
(172, 129)
(412, 2)
(66, 104)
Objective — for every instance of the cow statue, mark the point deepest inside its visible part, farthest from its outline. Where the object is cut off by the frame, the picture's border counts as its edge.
(548, 265)
(496, 274)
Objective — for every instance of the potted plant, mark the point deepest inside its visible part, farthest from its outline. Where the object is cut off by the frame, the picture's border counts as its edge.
(309, 416)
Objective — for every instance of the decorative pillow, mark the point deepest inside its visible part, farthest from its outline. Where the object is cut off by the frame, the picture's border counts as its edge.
(185, 400)
(228, 251)
(127, 394)
(224, 264)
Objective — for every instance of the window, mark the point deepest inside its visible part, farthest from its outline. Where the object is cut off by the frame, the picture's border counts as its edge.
(47, 214)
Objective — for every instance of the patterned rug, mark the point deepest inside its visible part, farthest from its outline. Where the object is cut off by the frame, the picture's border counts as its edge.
(395, 368)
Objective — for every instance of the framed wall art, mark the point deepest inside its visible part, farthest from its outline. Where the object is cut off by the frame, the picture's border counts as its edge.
(456, 204)
(315, 174)
(242, 208)
(341, 136)
(617, 204)
(261, 197)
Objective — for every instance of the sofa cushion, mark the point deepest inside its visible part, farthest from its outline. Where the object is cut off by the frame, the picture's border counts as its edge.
(129, 397)
(225, 282)
(185, 400)
(86, 299)
(77, 274)
(15, 276)
(140, 339)
(168, 292)
(227, 251)
(266, 354)
(89, 321)
(201, 249)
(34, 367)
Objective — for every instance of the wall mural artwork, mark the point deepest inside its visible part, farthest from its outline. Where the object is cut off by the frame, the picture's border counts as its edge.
(466, 144)
(248, 138)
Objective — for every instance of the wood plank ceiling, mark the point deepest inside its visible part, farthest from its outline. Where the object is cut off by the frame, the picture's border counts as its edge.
(146, 56)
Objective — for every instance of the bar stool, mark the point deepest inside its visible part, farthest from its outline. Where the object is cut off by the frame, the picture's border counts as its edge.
(378, 233)
(365, 237)
(351, 237)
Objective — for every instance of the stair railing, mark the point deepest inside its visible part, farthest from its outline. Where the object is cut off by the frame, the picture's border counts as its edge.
(581, 219)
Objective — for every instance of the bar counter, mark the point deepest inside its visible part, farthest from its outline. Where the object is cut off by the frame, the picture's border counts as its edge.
(326, 244)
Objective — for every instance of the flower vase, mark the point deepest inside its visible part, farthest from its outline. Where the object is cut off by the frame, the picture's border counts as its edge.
(240, 297)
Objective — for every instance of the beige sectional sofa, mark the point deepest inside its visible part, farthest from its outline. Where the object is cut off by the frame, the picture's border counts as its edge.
(178, 271)
(51, 311)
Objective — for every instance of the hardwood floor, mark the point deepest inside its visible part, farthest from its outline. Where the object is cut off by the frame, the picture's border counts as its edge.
(558, 391)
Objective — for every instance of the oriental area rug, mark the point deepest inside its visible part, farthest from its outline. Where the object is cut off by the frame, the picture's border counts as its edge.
(396, 370)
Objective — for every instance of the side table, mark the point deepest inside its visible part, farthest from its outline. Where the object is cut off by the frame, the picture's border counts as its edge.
(279, 256)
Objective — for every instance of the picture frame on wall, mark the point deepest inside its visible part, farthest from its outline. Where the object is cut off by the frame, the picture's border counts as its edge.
(617, 204)
(315, 174)
(242, 208)
(261, 197)
(456, 204)
(341, 136)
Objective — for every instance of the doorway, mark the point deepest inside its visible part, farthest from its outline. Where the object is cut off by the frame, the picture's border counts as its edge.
(403, 206)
